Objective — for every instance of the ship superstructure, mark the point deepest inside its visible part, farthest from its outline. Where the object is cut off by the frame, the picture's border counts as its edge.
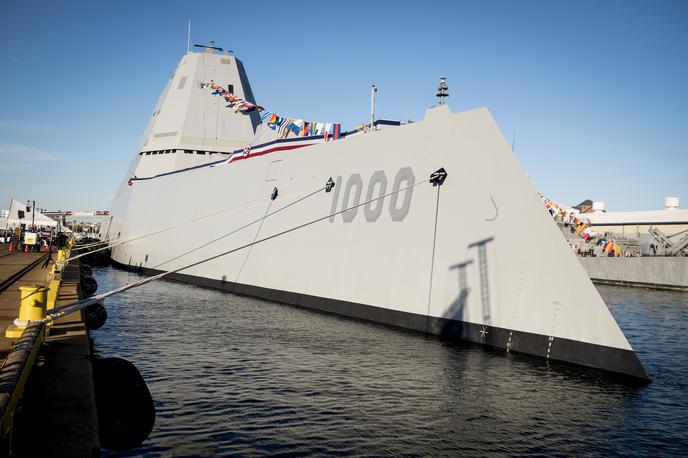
(419, 225)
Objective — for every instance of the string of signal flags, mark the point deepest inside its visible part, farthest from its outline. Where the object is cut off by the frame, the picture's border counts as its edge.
(582, 230)
(283, 125)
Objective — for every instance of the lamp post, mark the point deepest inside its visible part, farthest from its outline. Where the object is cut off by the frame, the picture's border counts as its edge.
(33, 214)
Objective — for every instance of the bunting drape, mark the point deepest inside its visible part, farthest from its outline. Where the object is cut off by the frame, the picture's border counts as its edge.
(582, 230)
(283, 125)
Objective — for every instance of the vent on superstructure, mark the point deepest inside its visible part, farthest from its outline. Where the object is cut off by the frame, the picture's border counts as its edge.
(182, 82)
(226, 61)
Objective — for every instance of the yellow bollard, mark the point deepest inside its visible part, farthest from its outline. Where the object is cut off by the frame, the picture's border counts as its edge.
(61, 255)
(32, 308)
(51, 273)
(53, 287)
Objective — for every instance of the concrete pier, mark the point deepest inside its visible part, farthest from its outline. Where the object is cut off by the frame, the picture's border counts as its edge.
(16, 269)
(649, 272)
(53, 411)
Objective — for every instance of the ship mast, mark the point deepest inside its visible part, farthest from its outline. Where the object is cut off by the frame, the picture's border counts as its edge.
(373, 90)
(442, 90)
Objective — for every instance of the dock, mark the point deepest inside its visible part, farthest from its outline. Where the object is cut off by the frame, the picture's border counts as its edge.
(46, 379)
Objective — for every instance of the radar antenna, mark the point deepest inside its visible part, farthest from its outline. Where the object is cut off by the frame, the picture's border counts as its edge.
(210, 46)
(442, 90)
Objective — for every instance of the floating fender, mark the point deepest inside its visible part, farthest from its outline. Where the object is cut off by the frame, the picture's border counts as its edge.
(126, 413)
(95, 316)
(89, 285)
(86, 270)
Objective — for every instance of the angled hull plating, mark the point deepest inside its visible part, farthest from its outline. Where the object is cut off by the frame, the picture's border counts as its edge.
(451, 260)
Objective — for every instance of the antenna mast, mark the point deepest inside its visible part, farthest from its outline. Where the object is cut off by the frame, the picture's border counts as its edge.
(373, 90)
(188, 38)
(443, 90)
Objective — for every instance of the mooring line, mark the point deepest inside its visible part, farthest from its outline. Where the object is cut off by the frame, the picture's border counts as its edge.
(259, 220)
(76, 306)
(432, 262)
(255, 237)
(235, 209)
(267, 215)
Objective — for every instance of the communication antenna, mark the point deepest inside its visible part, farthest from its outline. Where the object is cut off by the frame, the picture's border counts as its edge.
(442, 90)
(373, 90)
(210, 46)
(188, 38)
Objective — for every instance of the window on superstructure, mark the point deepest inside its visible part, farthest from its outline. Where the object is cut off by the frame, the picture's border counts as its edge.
(230, 88)
(188, 151)
(200, 152)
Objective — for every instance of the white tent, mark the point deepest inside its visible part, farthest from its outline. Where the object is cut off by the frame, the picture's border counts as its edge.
(39, 218)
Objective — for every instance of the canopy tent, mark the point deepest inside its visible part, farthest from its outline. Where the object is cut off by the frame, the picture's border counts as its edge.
(38, 218)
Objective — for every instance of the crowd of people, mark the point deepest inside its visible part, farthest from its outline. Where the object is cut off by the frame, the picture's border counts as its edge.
(39, 239)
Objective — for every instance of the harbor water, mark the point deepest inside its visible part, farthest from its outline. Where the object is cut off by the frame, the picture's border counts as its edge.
(238, 376)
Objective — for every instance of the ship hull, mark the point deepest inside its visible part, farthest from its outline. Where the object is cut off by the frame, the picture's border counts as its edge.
(456, 260)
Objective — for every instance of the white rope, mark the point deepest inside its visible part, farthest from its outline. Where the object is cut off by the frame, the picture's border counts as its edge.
(234, 231)
(76, 306)
(245, 226)
(86, 246)
(235, 209)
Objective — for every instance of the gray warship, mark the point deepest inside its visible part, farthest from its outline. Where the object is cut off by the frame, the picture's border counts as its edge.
(416, 225)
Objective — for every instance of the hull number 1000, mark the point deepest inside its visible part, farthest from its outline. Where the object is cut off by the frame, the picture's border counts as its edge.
(353, 192)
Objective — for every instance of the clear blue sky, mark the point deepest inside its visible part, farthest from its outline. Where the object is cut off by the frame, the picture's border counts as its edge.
(596, 91)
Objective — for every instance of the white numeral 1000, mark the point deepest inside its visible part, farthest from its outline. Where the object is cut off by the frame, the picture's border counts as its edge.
(352, 192)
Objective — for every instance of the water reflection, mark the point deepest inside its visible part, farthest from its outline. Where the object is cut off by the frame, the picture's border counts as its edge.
(238, 376)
